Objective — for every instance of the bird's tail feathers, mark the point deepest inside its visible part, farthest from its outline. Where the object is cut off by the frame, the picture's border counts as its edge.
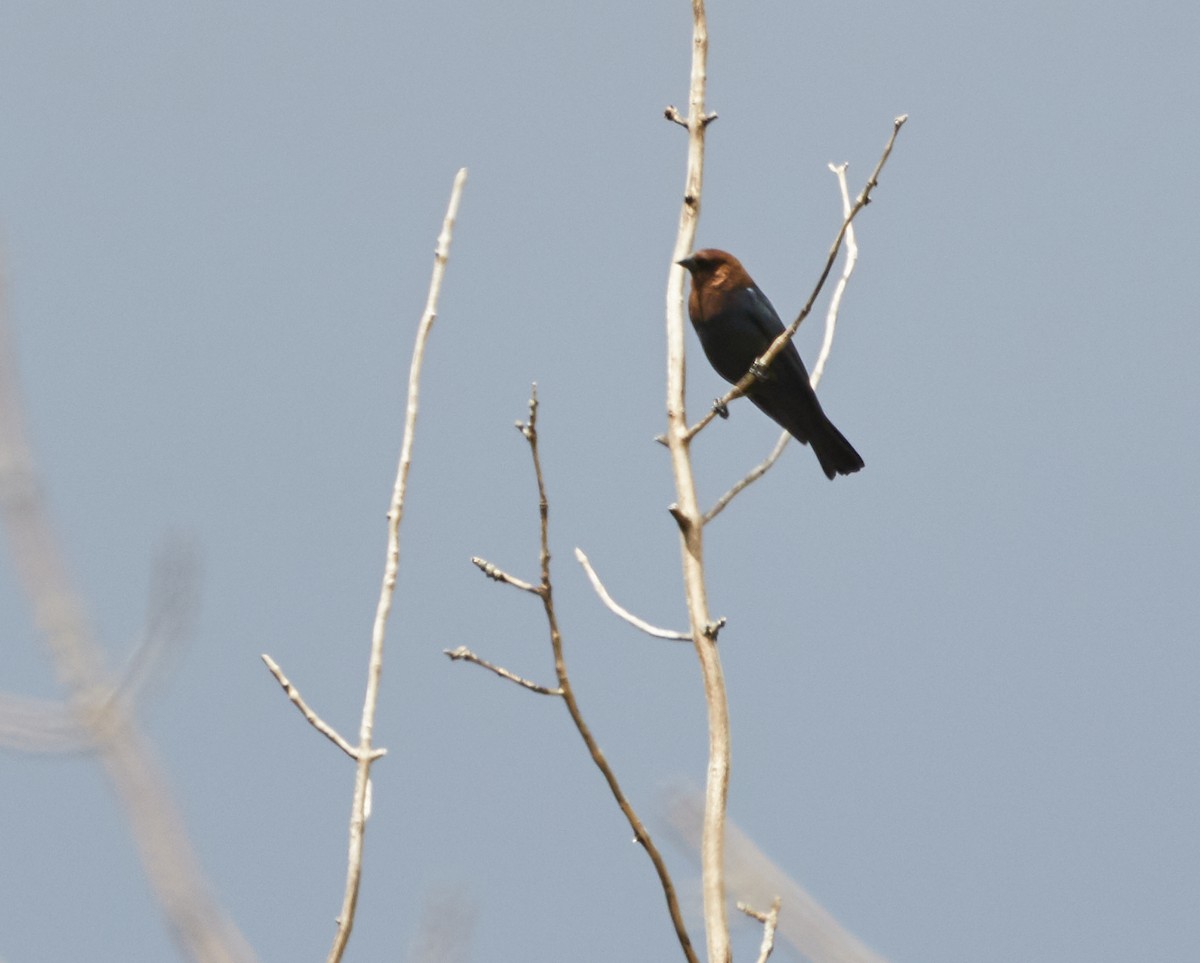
(836, 455)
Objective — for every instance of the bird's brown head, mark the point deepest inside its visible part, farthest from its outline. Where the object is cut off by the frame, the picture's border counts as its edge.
(716, 270)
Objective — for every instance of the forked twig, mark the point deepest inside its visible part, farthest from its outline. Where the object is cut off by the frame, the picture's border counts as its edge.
(364, 754)
(544, 590)
(102, 724)
(769, 920)
(362, 777)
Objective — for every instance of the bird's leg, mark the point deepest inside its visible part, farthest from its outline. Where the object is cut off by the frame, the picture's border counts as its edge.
(720, 409)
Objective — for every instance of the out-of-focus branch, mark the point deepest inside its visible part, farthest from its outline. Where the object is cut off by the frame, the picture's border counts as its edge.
(198, 924)
(831, 319)
(40, 726)
(620, 612)
(365, 754)
(446, 929)
(805, 924)
(545, 591)
(173, 602)
(762, 363)
(687, 514)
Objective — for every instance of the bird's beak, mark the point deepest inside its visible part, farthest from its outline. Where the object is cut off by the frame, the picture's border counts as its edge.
(688, 262)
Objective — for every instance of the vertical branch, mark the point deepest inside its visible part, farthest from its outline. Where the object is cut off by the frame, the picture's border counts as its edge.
(686, 511)
(358, 811)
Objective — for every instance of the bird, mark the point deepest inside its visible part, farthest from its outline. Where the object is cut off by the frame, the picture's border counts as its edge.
(736, 324)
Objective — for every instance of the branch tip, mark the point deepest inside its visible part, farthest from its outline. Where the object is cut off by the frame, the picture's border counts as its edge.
(463, 654)
(621, 612)
(314, 720)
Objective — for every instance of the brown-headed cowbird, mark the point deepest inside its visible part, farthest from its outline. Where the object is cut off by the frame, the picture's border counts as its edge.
(736, 324)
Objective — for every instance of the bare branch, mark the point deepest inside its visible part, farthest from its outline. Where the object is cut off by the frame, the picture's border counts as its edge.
(314, 720)
(640, 833)
(751, 476)
(687, 515)
(769, 920)
(762, 363)
(198, 924)
(848, 265)
(365, 753)
(463, 654)
(499, 575)
(623, 613)
(545, 592)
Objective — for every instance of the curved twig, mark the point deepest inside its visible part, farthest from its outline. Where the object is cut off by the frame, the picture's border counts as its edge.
(617, 610)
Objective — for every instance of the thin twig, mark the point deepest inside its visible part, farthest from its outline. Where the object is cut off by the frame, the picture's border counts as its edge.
(499, 575)
(753, 475)
(314, 720)
(764, 361)
(623, 613)
(769, 920)
(848, 265)
(365, 755)
(463, 654)
(831, 319)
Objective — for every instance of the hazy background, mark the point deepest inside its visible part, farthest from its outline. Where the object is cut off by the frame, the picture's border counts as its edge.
(964, 683)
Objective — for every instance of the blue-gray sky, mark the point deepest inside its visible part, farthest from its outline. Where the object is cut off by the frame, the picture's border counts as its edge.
(963, 682)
